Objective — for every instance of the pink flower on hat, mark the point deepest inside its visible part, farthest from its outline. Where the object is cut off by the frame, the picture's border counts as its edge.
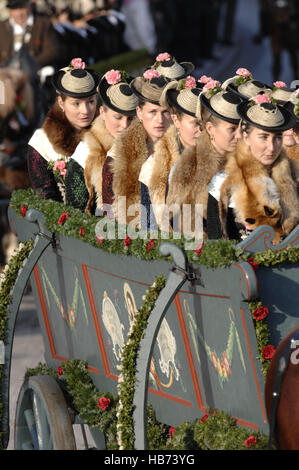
(113, 77)
(190, 82)
(78, 63)
(211, 84)
(244, 72)
(261, 98)
(164, 56)
(280, 84)
(205, 79)
(151, 73)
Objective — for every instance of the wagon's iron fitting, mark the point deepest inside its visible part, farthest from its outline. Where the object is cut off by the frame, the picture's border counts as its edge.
(52, 239)
(192, 275)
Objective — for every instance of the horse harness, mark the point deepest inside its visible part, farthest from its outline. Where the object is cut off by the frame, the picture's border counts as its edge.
(280, 369)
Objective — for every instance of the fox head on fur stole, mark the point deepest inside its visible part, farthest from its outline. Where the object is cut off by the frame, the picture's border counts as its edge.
(252, 208)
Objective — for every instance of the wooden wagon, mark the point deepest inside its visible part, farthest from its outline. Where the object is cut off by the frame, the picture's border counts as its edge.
(201, 349)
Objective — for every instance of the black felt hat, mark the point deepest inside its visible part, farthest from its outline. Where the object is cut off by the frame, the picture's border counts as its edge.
(267, 116)
(77, 83)
(119, 96)
(12, 4)
(149, 89)
(185, 100)
(248, 89)
(223, 105)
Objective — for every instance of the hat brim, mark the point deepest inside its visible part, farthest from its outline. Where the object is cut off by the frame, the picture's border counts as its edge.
(56, 81)
(172, 96)
(290, 120)
(17, 4)
(290, 107)
(231, 87)
(206, 103)
(103, 87)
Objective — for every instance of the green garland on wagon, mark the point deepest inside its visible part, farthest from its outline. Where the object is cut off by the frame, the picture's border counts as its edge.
(7, 280)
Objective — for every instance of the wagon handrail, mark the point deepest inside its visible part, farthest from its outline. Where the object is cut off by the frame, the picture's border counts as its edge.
(42, 240)
(178, 276)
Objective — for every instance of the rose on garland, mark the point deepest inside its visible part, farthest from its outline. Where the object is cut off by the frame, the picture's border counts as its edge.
(268, 352)
(23, 210)
(251, 441)
(59, 371)
(127, 241)
(260, 313)
(150, 244)
(204, 418)
(104, 403)
(171, 431)
(63, 218)
(253, 263)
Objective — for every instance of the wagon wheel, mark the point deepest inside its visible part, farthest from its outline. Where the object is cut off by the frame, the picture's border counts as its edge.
(42, 419)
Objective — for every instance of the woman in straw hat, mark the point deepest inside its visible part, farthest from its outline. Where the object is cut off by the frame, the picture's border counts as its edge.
(261, 187)
(51, 147)
(197, 166)
(136, 144)
(117, 110)
(182, 99)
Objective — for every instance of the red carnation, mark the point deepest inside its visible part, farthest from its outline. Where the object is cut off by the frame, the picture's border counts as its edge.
(23, 210)
(63, 218)
(104, 403)
(198, 249)
(59, 371)
(250, 441)
(253, 263)
(171, 431)
(261, 312)
(127, 241)
(268, 352)
(150, 244)
(100, 239)
(204, 418)
(81, 231)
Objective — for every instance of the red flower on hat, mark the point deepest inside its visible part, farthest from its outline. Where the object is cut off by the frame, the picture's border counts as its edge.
(163, 56)
(104, 403)
(251, 441)
(78, 63)
(268, 352)
(261, 98)
(243, 72)
(211, 85)
(113, 77)
(23, 210)
(190, 82)
(261, 312)
(63, 218)
(151, 73)
(280, 84)
(205, 79)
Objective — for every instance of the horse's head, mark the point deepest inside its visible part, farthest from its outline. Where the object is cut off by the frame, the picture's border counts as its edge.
(15, 93)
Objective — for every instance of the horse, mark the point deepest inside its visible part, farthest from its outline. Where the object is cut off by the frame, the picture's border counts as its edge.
(282, 392)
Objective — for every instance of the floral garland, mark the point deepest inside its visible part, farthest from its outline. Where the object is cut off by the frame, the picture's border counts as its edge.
(8, 278)
(126, 379)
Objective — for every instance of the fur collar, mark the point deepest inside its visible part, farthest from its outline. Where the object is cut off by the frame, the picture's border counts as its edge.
(193, 173)
(62, 135)
(130, 152)
(99, 142)
(166, 153)
(265, 197)
(293, 152)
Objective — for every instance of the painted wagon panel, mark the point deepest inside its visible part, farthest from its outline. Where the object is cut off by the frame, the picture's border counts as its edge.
(206, 351)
